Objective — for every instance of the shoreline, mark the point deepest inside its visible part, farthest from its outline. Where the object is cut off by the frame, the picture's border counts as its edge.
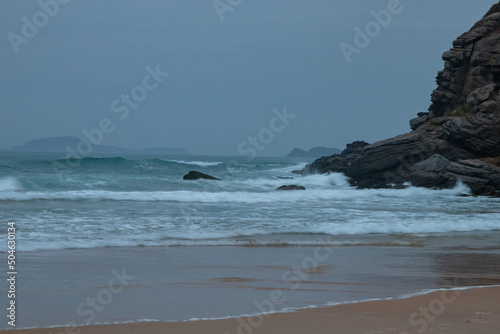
(458, 310)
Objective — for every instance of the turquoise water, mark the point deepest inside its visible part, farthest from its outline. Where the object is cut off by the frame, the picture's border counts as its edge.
(143, 201)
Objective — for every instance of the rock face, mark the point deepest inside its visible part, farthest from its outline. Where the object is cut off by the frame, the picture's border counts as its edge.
(194, 175)
(458, 139)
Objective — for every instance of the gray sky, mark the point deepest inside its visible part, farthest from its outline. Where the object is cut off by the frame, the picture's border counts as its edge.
(225, 76)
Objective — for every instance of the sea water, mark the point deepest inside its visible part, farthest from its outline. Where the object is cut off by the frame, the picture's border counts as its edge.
(190, 244)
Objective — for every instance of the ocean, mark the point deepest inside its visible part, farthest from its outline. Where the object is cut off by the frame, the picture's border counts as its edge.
(190, 245)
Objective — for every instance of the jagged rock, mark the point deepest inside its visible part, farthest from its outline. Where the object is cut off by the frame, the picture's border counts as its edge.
(291, 187)
(456, 140)
(355, 146)
(481, 94)
(194, 175)
(434, 164)
(473, 63)
(429, 171)
(481, 177)
(417, 122)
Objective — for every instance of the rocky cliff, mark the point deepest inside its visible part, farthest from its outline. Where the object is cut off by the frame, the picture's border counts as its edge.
(458, 139)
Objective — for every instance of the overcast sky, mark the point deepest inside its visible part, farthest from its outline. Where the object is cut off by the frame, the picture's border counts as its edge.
(228, 69)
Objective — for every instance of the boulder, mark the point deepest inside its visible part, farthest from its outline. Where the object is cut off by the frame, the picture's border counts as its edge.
(480, 95)
(417, 122)
(291, 187)
(194, 175)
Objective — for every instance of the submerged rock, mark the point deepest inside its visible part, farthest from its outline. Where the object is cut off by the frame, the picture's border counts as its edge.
(291, 187)
(457, 140)
(194, 175)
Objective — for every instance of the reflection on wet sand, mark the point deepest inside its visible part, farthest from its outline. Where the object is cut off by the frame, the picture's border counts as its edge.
(468, 269)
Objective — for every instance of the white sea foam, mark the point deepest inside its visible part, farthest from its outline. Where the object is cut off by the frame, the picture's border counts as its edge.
(247, 212)
(326, 181)
(289, 169)
(197, 163)
(380, 233)
(309, 182)
(409, 227)
(186, 196)
(283, 310)
(324, 190)
(10, 184)
(88, 243)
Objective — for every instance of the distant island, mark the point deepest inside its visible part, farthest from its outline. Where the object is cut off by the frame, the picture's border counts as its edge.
(315, 152)
(59, 144)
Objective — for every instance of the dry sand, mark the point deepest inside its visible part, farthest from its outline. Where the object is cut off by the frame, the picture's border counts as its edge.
(473, 311)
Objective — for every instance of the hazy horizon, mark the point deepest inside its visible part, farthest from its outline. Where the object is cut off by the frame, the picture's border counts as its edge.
(234, 73)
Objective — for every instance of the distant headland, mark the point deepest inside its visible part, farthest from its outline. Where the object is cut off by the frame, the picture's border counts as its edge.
(315, 152)
(60, 145)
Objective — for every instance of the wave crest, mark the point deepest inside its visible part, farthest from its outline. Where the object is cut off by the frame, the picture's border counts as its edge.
(10, 184)
(196, 163)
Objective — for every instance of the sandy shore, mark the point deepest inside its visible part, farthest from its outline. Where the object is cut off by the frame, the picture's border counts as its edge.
(446, 312)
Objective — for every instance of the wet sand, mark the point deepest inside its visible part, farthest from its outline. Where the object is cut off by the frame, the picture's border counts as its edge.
(138, 284)
(446, 312)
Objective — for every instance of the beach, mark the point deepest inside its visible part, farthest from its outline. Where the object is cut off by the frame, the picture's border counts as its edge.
(124, 285)
(446, 312)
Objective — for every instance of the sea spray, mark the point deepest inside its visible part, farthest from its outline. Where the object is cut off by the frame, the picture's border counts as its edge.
(10, 184)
